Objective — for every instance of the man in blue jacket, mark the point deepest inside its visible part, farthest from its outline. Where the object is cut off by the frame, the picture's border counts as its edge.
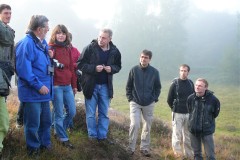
(203, 108)
(35, 82)
(142, 91)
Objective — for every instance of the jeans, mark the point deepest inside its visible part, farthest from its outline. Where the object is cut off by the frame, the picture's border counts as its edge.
(138, 112)
(37, 124)
(63, 95)
(4, 120)
(71, 121)
(181, 143)
(100, 98)
(208, 144)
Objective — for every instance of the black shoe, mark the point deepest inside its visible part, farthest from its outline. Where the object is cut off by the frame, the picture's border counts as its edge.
(67, 144)
(145, 153)
(19, 123)
(106, 141)
(93, 141)
(45, 148)
(70, 130)
(33, 153)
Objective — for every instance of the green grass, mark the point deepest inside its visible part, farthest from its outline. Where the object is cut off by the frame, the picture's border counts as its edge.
(227, 123)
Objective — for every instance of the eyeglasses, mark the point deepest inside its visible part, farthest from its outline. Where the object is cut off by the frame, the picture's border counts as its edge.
(7, 13)
(144, 57)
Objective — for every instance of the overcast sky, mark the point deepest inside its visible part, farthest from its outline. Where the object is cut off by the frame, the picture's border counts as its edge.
(98, 11)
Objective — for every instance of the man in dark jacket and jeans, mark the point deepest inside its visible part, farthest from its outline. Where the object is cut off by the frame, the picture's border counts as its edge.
(98, 62)
(203, 108)
(142, 91)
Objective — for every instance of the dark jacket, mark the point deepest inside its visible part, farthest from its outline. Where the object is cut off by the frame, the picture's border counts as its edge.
(178, 94)
(143, 85)
(87, 63)
(7, 56)
(202, 113)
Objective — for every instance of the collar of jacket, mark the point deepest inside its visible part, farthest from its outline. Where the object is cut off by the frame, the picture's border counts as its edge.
(38, 43)
(143, 68)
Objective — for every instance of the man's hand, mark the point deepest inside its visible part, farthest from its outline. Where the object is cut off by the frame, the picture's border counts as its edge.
(50, 53)
(44, 90)
(99, 68)
(108, 69)
(75, 90)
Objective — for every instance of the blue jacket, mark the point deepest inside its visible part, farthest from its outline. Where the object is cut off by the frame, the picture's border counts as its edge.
(32, 61)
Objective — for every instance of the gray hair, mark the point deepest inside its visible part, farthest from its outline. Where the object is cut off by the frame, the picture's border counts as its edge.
(37, 21)
(203, 80)
(107, 30)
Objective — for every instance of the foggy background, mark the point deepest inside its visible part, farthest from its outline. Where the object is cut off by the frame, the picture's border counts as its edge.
(202, 33)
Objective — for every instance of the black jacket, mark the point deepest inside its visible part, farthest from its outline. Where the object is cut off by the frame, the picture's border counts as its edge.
(178, 94)
(87, 63)
(143, 85)
(202, 113)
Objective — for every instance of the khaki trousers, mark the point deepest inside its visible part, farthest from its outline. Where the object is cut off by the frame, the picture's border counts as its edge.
(138, 112)
(4, 121)
(181, 135)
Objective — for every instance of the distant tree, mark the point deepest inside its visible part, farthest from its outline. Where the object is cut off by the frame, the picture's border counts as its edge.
(229, 68)
(157, 25)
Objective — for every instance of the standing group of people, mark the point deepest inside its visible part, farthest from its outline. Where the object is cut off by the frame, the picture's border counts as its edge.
(194, 109)
(47, 72)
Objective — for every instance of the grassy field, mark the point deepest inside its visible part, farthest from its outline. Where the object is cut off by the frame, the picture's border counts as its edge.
(228, 121)
(227, 135)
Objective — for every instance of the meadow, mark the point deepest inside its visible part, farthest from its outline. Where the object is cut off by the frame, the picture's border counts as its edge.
(227, 135)
(228, 121)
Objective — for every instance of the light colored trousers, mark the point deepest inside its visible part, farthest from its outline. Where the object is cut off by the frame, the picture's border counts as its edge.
(181, 135)
(138, 112)
(4, 121)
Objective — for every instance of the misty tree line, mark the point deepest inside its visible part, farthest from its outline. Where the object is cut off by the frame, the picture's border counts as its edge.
(208, 41)
(168, 37)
